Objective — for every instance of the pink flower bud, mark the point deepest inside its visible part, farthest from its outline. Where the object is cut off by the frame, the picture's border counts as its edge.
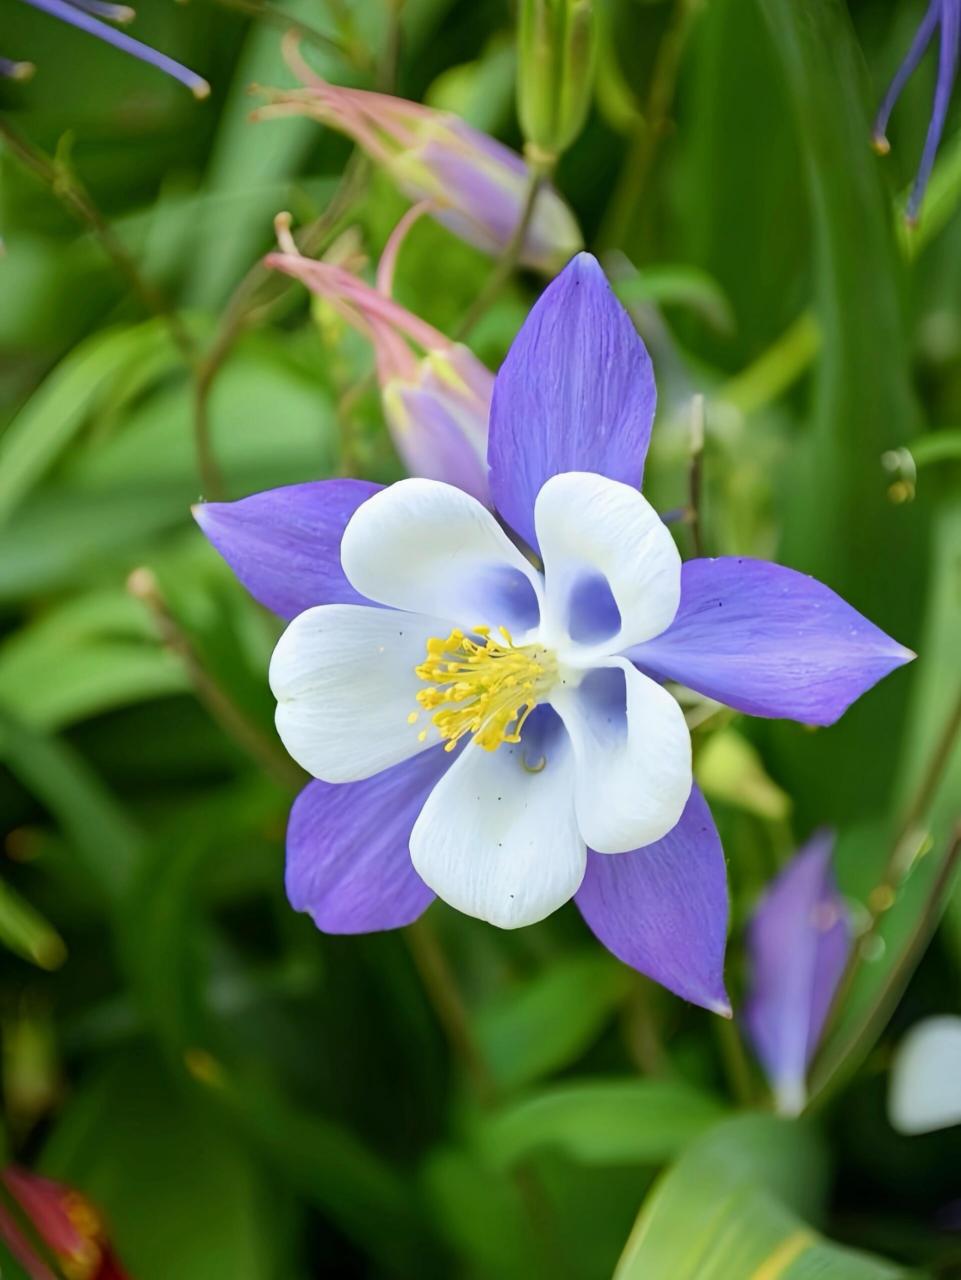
(475, 186)
(436, 393)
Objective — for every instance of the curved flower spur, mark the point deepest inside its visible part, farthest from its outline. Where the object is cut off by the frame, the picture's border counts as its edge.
(496, 732)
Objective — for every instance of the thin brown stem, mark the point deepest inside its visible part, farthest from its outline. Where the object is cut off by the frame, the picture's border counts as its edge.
(509, 260)
(232, 719)
(64, 184)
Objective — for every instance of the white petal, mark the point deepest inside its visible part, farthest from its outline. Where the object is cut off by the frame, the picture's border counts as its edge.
(613, 573)
(926, 1077)
(632, 749)
(430, 548)
(343, 676)
(498, 841)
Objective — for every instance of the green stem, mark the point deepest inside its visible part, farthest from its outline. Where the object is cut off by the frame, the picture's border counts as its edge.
(510, 258)
(650, 128)
(70, 191)
(232, 719)
(837, 1065)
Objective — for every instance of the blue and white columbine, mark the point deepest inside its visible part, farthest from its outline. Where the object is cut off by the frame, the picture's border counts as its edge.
(492, 726)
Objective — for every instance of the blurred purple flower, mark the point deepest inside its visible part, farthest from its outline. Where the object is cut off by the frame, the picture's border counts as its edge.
(501, 735)
(798, 943)
(436, 405)
(475, 186)
(86, 15)
(945, 14)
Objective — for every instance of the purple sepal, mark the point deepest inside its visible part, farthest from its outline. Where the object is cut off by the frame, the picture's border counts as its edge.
(576, 393)
(663, 909)
(284, 544)
(75, 15)
(769, 641)
(348, 848)
(798, 942)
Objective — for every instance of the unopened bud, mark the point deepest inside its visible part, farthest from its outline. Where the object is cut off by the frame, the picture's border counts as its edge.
(555, 71)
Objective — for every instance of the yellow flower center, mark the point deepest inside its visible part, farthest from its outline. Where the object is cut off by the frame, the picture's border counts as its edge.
(482, 685)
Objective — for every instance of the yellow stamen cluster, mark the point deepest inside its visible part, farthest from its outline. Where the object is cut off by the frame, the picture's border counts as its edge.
(484, 686)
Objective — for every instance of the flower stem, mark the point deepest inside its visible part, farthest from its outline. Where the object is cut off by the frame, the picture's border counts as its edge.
(445, 998)
(64, 184)
(651, 126)
(695, 474)
(356, 55)
(510, 258)
(837, 1065)
(259, 290)
(235, 722)
(443, 992)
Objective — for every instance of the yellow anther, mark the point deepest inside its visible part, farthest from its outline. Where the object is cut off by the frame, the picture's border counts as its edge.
(482, 686)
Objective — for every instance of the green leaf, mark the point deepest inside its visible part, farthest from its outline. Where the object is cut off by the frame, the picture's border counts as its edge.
(678, 285)
(547, 1022)
(25, 931)
(601, 1122)
(179, 1193)
(106, 842)
(839, 524)
(62, 404)
(480, 1213)
(728, 1210)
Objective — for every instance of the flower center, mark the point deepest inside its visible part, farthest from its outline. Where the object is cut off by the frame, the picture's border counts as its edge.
(482, 685)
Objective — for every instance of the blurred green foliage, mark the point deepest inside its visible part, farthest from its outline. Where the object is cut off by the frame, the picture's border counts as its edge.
(243, 1097)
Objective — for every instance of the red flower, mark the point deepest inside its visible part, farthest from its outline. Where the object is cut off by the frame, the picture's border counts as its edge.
(64, 1221)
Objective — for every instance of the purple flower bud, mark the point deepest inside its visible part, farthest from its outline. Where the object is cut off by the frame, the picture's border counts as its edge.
(86, 15)
(798, 942)
(945, 14)
(436, 404)
(475, 186)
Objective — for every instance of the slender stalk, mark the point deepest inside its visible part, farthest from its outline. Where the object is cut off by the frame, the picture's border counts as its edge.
(651, 126)
(70, 191)
(445, 998)
(838, 1064)
(260, 290)
(444, 995)
(737, 1068)
(695, 474)
(269, 13)
(508, 262)
(907, 842)
(232, 719)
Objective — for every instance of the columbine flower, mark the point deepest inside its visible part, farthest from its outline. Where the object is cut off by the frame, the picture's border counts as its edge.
(945, 14)
(476, 186)
(498, 733)
(86, 15)
(798, 944)
(67, 1224)
(436, 405)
